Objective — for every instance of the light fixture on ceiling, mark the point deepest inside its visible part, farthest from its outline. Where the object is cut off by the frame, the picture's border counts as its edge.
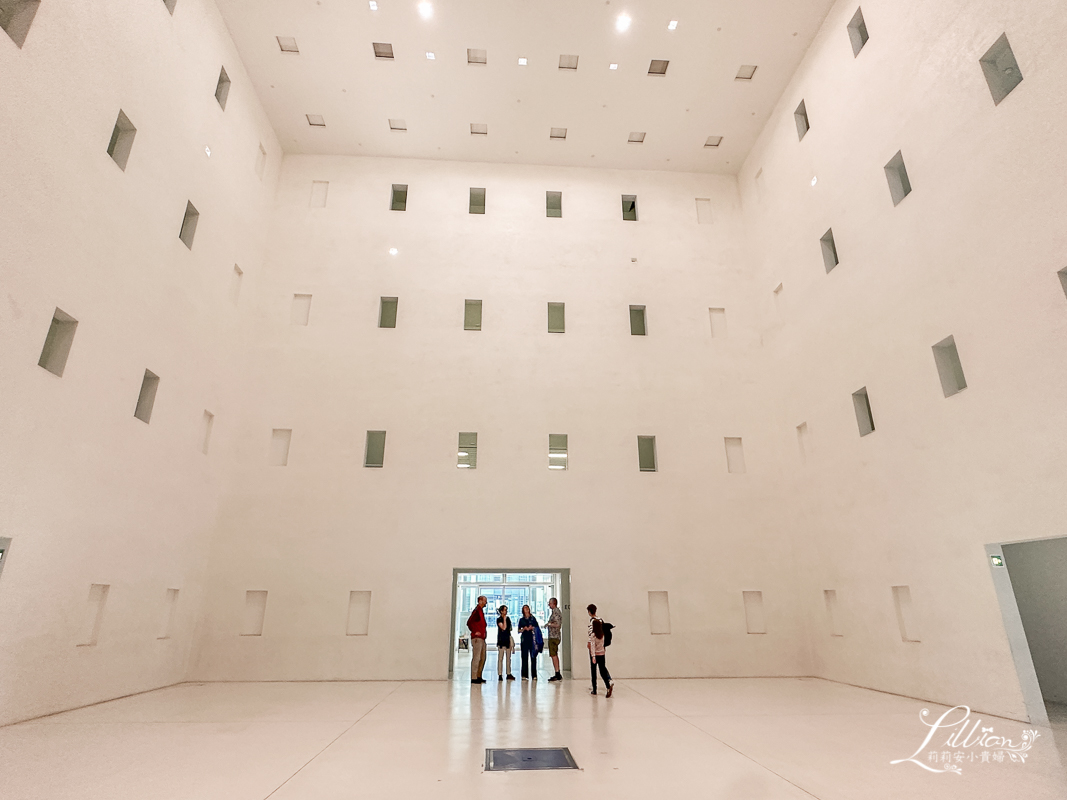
(392, 251)
(522, 61)
(373, 5)
(426, 10)
(814, 179)
(622, 23)
(672, 25)
(613, 66)
(430, 56)
(207, 149)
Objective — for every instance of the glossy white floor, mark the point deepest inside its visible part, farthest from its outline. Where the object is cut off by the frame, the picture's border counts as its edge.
(739, 739)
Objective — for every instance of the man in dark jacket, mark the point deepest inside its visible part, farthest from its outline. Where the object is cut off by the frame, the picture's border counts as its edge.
(476, 625)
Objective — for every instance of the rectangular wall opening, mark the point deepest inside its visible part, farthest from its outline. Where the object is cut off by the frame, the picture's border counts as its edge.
(467, 455)
(754, 619)
(235, 284)
(358, 614)
(557, 451)
(718, 322)
(629, 207)
(472, 315)
(553, 204)
(207, 422)
(830, 599)
(646, 453)
(1062, 274)
(557, 322)
(638, 326)
(222, 88)
(477, 201)
(121, 140)
(255, 613)
(146, 400)
(1000, 68)
(94, 614)
(735, 455)
(319, 190)
(829, 250)
(897, 176)
(909, 629)
(170, 5)
(862, 405)
(170, 614)
(300, 311)
(800, 116)
(16, 17)
(398, 200)
(188, 231)
(280, 439)
(5, 548)
(659, 613)
(949, 368)
(57, 342)
(261, 161)
(857, 32)
(804, 441)
(387, 312)
(374, 454)
(703, 210)
(476, 56)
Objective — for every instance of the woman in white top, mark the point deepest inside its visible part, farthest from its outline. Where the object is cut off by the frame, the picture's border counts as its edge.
(596, 650)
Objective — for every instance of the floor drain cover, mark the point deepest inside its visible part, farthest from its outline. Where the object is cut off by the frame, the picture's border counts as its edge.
(530, 758)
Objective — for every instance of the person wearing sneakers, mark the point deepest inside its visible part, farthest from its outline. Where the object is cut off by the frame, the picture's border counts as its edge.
(596, 651)
(476, 625)
(555, 635)
(504, 644)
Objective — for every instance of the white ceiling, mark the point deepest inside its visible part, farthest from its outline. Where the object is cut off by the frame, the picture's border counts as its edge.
(336, 75)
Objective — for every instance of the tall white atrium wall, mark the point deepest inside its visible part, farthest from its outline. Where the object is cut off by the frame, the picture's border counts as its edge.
(971, 253)
(90, 494)
(311, 532)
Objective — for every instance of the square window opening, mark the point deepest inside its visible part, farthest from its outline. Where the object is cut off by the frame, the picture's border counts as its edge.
(897, 176)
(557, 451)
(222, 88)
(57, 343)
(862, 405)
(146, 399)
(553, 204)
(121, 140)
(387, 312)
(857, 32)
(949, 368)
(398, 200)
(646, 453)
(556, 317)
(472, 315)
(189, 223)
(829, 250)
(800, 116)
(467, 455)
(629, 207)
(477, 201)
(658, 67)
(638, 321)
(383, 50)
(374, 455)
(1001, 70)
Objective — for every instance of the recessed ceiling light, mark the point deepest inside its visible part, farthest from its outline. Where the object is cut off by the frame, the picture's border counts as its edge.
(425, 10)
(658, 67)
(636, 137)
(207, 149)
(397, 125)
(672, 24)
(392, 251)
(383, 50)
(522, 61)
(745, 73)
(622, 23)
(316, 121)
(373, 5)
(713, 141)
(479, 129)
(287, 44)
(557, 133)
(430, 56)
(613, 66)
(814, 179)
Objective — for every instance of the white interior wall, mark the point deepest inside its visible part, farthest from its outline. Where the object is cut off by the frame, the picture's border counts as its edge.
(973, 252)
(91, 494)
(1039, 578)
(324, 525)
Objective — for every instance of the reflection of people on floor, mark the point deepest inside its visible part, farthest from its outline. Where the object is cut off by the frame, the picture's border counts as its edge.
(531, 632)
(476, 625)
(505, 645)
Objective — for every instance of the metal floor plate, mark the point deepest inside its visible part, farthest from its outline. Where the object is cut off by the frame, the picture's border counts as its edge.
(529, 758)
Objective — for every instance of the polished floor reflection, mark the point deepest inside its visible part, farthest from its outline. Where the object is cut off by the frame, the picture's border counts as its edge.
(741, 739)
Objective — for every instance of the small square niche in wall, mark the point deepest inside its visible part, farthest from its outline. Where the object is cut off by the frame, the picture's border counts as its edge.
(398, 200)
(735, 455)
(553, 204)
(718, 322)
(387, 312)
(16, 17)
(557, 320)
(636, 137)
(398, 125)
(467, 455)
(713, 141)
(58, 342)
(280, 440)
(319, 190)
(170, 5)
(658, 67)
(857, 32)
(949, 368)
(222, 89)
(746, 73)
(476, 56)
(646, 453)
(829, 250)
(568, 62)
(1000, 68)
(557, 133)
(287, 44)
(479, 129)
(800, 116)
(189, 223)
(638, 326)
(121, 140)
(862, 405)
(897, 176)
(383, 50)
(316, 120)
(147, 397)
(472, 315)
(477, 201)
(374, 455)
(557, 451)
(300, 312)
(1062, 274)
(629, 207)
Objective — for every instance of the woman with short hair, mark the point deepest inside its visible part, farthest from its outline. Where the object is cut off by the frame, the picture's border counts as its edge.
(596, 651)
(505, 646)
(527, 625)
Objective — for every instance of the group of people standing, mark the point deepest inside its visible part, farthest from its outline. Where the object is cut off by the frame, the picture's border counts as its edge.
(531, 642)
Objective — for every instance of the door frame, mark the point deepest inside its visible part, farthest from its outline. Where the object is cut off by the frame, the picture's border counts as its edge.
(564, 606)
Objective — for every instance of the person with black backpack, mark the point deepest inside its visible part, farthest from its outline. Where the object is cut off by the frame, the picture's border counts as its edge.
(599, 638)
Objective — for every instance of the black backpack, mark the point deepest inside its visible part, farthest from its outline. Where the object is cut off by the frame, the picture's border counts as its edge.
(608, 627)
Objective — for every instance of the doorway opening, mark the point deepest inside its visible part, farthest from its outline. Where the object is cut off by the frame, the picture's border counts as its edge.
(513, 588)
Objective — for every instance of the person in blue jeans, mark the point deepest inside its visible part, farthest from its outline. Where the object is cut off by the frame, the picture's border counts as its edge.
(527, 625)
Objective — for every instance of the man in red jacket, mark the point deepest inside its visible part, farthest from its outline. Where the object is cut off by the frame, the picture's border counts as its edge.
(476, 625)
